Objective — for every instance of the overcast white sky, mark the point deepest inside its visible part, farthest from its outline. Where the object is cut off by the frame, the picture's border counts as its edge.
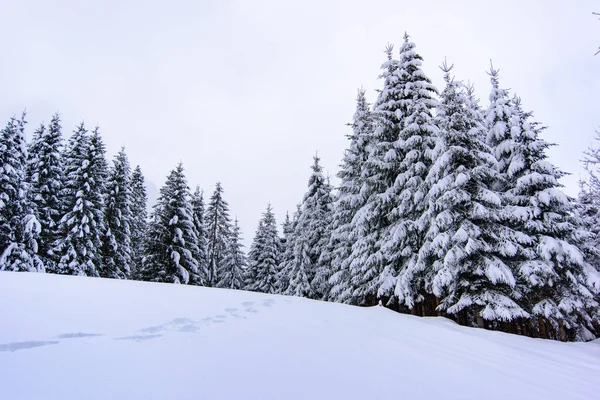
(245, 92)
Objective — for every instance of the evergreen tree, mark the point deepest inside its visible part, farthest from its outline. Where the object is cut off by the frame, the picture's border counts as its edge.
(410, 157)
(297, 268)
(139, 220)
(587, 234)
(201, 257)
(264, 255)
(553, 274)
(19, 227)
(387, 229)
(365, 263)
(349, 200)
(172, 238)
(287, 252)
(234, 263)
(218, 225)
(78, 247)
(461, 261)
(45, 176)
(117, 252)
(588, 206)
(307, 276)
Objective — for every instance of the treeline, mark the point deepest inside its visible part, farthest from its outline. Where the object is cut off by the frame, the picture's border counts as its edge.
(444, 207)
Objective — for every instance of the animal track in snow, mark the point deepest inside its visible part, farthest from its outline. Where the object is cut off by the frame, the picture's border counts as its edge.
(15, 346)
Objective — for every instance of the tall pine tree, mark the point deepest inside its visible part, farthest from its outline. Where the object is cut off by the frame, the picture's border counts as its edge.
(172, 238)
(307, 276)
(264, 255)
(218, 225)
(461, 261)
(139, 220)
(235, 263)
(349, 200)
(78, 247)
(45, 174)
(201, 257)
(117, 251)
(552, 271)
(19, 227)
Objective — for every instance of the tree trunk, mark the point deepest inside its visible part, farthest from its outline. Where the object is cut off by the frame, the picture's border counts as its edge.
(562, 334)
(542, 327)
(480, 321)
(437, 304)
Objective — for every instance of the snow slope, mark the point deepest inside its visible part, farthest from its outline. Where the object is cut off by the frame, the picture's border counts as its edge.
(66, 337)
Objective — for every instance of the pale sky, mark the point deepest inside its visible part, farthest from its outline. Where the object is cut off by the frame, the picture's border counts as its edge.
(245, 92)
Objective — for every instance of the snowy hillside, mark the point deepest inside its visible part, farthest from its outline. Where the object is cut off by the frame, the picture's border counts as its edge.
(66, 337)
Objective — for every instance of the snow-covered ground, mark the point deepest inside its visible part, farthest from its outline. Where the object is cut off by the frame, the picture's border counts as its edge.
(64, 337)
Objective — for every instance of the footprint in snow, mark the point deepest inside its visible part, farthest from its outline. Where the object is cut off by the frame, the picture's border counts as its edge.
(77, 335)
(188, 328)
(247, 303)
(16, 346)
(232, 312)
(268, 302)
(139, 338)
(174, 324)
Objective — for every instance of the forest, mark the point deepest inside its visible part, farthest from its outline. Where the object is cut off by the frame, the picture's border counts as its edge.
(444, 206)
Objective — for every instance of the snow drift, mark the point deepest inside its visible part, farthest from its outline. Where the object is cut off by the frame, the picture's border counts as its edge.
(66, 337)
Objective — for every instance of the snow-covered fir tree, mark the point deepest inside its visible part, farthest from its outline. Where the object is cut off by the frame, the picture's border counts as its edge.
(588, 205)
(410, 157)
(235, 263)
(461, 260)
(45, 176)
(553, 273)
(80, 231)
(287, 250)
(19, 227)
(307, 276)
(172, 240)
(202, 256)
(139, 220)
(587, 234)
(218, 229)
(117, 250)
(387, 229)
(348, 200)
(265, 256)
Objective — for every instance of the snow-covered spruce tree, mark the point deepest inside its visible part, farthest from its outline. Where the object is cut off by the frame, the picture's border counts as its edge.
(265, 256)
(218, 229)
(587, 234)
(202, 256)
(410, 157)
(116, 250)
(588, 205)
(553, 274)
(348, 200)
(19, 227)
(79, 243)
(139, 220)
(172, 238)
(461, 260)
(386, 230)
(45, 176)
(287, 252)
(234, 264)
(366, 263)
(310, 239)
